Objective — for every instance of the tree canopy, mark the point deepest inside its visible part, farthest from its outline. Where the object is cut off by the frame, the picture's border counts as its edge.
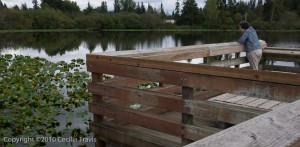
(215, 14)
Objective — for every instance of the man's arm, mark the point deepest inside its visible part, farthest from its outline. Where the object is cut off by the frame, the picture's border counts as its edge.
(243, 38)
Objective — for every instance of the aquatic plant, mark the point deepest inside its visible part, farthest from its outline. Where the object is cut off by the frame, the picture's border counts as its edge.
(34, 92)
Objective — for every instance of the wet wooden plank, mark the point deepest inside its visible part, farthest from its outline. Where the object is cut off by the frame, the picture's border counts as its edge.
(223, 97)
(269, 104)
(257, 102)
(276, 128)
(246, 100)
(235, 99)
(206, 95)
(151, 121)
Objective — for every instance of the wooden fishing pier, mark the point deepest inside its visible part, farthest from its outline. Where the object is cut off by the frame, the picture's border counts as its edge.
(212, 103)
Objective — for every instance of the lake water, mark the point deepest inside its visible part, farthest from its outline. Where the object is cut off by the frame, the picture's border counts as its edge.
(57, 46)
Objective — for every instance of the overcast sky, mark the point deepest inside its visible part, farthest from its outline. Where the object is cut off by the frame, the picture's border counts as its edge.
(169, 5)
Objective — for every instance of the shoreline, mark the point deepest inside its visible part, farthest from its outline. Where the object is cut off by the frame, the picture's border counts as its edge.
(132, 30)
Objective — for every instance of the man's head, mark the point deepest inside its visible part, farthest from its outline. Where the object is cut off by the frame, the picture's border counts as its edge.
(243, 26)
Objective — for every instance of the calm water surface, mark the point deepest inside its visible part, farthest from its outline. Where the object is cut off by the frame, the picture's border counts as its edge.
(57, 46)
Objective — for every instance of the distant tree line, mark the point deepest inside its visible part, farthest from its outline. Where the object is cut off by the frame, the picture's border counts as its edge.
(226, 14)
(128, 14)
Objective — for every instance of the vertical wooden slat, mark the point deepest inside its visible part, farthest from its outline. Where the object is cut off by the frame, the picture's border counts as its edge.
(187, 93)
(205, 60)
(237, 55)
(96, 77)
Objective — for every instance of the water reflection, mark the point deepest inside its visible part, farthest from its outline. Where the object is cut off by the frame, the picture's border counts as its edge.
(57, 46)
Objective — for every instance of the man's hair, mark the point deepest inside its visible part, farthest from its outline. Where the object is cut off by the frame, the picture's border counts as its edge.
(244, 25)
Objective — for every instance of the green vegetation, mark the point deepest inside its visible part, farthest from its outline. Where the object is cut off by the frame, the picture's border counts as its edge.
(128, 14)
(43, 30)
(34, 92)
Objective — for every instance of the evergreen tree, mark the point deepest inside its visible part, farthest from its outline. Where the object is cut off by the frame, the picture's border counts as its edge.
(272, 10)
(63, 5)
(242, 8)
(292, 5)
(16, 7)
(150, 9)
(70, 6)
(201, 16)
(103, 7)
(252, 4)
(234, 2)
(230, 3)
(2, 5)
(35, 4)
(267, 9)
(24, 6)
(259, 9)
(222, 4)
(127, 5)
(88, 9)
(138, 9)
(117, 6)
(162, 11)
(177, 11)
(189, 13)
(211, 14)
(143, 9)
(260, 3)
(231, 7)
(298, 8)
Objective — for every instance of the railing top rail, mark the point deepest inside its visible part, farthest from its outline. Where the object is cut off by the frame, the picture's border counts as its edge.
(182, 49)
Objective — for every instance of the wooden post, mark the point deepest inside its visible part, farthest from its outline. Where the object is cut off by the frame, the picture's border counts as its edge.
(98, 99)
(205, 60)
(263, 63)
(187, 119)
(160, 84)
(237, 55)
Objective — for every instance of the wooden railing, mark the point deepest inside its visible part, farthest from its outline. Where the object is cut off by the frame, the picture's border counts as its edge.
(184, 90)
(277, 128)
